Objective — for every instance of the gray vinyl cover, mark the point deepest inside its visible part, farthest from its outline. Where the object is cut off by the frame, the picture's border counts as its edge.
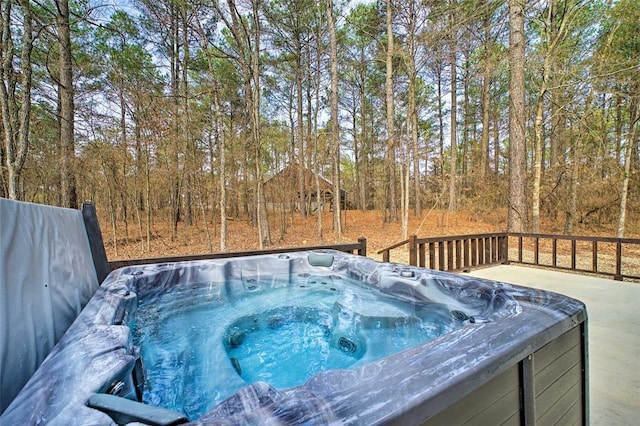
(46, 277)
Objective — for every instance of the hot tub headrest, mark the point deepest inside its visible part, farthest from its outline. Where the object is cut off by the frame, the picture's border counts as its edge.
(320, 259)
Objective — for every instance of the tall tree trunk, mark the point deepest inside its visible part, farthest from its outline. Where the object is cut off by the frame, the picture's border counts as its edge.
(413, 110)
(486, 93)
(538, 132)
(537, 160)
(618, 124)
(356, 152)
(363, 135)
(517, 214)
(65, 87)
(302, 190)
(391, 139)
(335, 129)
(248, 59)
(551, 37)
(467, 115)
(557, 136)
(573, 186)
(147, 191)
(404, 196)
(125, 166)
(440, 122)
(261, 204)
(496, 142)
(137, 132)
(16, 109)
(577, 143)
(453, 37)
(222, 147)
(316, 138)
(189, 144)
(309, 133)
(173, 145)
(634, 117)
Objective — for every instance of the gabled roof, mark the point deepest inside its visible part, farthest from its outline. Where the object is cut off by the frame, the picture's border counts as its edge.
(289, 173)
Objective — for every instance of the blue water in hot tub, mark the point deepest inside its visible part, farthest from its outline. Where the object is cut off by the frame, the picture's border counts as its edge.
(203, 342)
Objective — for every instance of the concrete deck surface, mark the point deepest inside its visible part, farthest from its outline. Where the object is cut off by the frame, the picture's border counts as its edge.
(613, 310)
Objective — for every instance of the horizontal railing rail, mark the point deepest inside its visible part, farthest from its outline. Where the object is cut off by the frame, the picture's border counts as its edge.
(386, 252)
(607, 256)
(359, 248)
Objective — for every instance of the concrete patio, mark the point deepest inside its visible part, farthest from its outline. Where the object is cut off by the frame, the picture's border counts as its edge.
(613, 310)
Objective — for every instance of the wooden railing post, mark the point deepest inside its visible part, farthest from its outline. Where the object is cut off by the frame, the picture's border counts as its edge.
(466, 253)
(432, 255)
(441, 256)
(487, 250)
(504, 249)
(618, 275)
(449, 255)
(520, 248)
(494, 249)
(413, 250)
(474, 251)
(362, 251)
(385, 256)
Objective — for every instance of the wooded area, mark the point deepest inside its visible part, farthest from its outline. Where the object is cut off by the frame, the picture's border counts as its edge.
(180, 111)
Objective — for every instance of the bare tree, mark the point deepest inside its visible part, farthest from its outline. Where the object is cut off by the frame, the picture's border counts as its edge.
(219, 132)
(486, 91)
(634, 112)
(391, 138)
(247, 43)
(410, 59)
(517, 214)
(315, 81)
(453, 40)
(261, 205)
(551, 37)
(15, 104)
(66, 106)
(335, 129)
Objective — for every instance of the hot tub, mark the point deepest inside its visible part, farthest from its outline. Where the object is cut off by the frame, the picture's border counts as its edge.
(503, 353)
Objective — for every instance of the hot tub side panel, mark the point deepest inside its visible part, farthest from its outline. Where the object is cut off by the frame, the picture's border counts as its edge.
(548, 387)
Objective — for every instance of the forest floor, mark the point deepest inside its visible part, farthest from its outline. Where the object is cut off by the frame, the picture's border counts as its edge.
(297, 232)
(294, 231)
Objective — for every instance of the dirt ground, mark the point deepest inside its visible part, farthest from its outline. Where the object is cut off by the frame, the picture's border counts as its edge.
(204, 237)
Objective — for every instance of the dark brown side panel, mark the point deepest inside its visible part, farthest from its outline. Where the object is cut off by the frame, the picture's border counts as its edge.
(494, 403)
(546, 388)
(558, 380)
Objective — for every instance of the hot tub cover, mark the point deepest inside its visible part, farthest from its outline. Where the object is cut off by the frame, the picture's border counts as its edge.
(47, 275)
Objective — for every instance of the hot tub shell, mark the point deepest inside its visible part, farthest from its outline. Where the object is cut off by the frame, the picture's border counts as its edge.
(523, 361)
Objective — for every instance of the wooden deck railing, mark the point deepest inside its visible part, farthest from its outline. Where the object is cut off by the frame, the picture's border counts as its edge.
(613, 257)
(454, 253)
(609, 256)
(359, 248)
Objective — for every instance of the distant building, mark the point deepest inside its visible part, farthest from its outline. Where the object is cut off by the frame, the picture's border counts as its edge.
(282, 193)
